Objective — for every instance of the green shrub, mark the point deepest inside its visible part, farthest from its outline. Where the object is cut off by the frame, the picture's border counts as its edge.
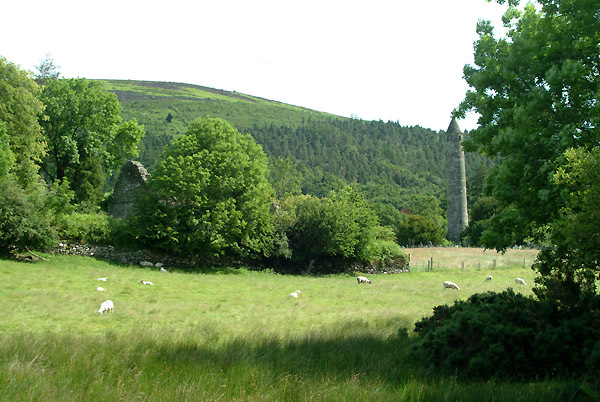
(92, 228)
(24, 222)
(508, 335)
(419, 229)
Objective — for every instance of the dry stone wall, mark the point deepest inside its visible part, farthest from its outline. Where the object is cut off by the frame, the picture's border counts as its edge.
(136, 256)
(139, 256)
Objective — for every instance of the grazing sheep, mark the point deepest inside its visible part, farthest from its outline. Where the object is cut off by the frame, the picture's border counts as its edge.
(143, 282)
(100, 289)
(450, 285)
(159, 265)
(520, 281)
(362, 279)
(102, 279)
(146, 264)
(488, 278)
(106, 306)
(162, 269)
(294, 294)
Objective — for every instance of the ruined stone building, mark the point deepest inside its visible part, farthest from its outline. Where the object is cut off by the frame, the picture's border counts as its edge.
(456, 183)
(131, 182)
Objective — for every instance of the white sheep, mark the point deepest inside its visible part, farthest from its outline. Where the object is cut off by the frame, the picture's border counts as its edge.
(143, 282)
(488, 278)
(362, 279)
(102, 279)
(520, 281)
(100, 289)
(146, 264)
(294, 294)
(162, 269)
(159, 265)
(106, 306)
(450, 285)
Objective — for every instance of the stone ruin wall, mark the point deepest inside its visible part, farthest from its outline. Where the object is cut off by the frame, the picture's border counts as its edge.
(129, 186)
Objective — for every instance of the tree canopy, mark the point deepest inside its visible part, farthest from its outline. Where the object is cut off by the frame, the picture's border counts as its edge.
(536, 91)
(209, 194)
(20, 108)
(7, 157)
(47, 70)
(86, 135)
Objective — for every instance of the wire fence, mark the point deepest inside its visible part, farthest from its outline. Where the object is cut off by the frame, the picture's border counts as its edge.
(479, 265)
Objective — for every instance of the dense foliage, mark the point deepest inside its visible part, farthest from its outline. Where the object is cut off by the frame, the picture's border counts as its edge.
(421, 230)
(571, 269)
(509, 335)
(325, 234)
(7, 157)
(209, 195)
(86, 136)
(24, 220)
(20, 108)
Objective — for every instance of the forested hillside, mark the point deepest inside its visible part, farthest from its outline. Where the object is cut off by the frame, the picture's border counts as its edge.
(397, 168)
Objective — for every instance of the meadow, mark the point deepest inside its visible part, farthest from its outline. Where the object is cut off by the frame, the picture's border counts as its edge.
(232, 334)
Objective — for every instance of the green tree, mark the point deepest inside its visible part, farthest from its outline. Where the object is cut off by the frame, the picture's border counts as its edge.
(572, 267)
(536, 91)
(479, 214)
(285, 178)
(86, 136)
(7, 158)
(537, 95)
(209, 195)
(20, 108)
(47, 70)
(419, 229)
(339, 227)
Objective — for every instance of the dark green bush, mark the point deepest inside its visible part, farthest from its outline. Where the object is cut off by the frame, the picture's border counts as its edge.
(508, 335)
(24, 222)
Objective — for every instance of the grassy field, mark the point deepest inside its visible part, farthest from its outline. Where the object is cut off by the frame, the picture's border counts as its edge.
(452, 258)
(231, 335)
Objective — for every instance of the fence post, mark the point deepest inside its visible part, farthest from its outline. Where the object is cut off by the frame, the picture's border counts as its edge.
(432, 263)
(462, 265)
(494, 264)
(523, 262)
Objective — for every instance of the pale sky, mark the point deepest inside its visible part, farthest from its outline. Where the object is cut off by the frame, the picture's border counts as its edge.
(391, 60)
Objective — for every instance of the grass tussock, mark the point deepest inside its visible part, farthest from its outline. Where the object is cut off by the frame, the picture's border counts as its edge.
(230, 336)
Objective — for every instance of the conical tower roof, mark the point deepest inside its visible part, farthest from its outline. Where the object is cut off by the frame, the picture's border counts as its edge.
(453, 128)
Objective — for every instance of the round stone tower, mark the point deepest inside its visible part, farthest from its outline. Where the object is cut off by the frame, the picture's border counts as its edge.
(456, 183)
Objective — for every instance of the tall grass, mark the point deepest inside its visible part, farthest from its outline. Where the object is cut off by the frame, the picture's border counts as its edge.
(233, 335)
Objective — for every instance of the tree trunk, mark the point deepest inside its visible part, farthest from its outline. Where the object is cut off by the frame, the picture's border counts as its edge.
(310, 267)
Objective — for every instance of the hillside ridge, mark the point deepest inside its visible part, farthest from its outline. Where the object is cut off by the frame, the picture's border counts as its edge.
(186, 91)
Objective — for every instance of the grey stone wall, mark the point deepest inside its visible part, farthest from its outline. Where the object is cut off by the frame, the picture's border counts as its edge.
(129, 186)
(137, 256)
(456, 185)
